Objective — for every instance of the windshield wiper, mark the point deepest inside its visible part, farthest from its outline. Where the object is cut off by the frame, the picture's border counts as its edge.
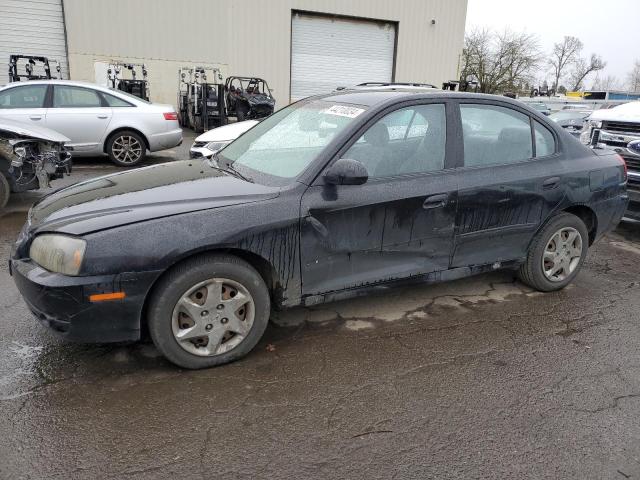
(229, 168)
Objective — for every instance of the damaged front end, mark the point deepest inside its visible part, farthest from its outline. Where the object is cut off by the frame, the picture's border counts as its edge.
(31, 157)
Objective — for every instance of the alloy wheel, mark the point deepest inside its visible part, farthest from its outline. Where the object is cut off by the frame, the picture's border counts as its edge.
(213, 317)
(562, 254)
(127, 149)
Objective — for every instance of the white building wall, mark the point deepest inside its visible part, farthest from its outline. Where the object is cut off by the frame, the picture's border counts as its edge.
(249, 37)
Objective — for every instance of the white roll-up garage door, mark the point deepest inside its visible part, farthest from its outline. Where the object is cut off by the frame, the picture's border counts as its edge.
(329, 52)
(32, 27)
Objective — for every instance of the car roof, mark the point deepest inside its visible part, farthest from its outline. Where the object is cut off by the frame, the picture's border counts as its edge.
(377, 97)
(75, 83)
(54, 81)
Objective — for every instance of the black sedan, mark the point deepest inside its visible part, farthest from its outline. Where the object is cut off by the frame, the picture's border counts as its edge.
(329, 198)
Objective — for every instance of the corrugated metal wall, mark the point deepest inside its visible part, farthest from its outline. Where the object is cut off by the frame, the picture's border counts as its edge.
(324, 49)
(250, 37)
(32, 27)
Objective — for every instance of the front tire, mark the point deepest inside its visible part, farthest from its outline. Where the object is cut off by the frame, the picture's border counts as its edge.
(556, 254)
(208, 311)
(126, 148)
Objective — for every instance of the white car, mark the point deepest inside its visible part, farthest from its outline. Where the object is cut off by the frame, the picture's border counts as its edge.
(214, 140)
(96, 119)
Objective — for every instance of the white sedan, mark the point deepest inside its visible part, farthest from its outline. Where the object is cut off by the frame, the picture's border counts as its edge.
(214, 140)
(96, 119)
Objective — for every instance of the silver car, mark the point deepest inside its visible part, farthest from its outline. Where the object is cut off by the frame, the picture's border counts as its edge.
(96, 119)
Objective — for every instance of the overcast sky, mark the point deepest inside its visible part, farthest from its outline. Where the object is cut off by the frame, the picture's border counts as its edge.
(610, 28)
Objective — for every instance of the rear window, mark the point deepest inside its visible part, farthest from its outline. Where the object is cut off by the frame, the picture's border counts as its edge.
(65, 96)
(495, 135)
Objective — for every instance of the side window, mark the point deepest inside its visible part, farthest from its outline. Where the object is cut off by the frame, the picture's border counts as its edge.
(494, 135)
(65, 96)
(545, 143)
(114, 101)
(29, 96)
(409, 140)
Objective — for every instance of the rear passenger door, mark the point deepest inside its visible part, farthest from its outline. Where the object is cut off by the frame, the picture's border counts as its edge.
(510, 178)
(81, 114)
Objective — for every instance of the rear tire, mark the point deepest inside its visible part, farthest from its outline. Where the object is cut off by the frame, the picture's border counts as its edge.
(209, 310)
(556, 254)
(126, 148)
(5, 191)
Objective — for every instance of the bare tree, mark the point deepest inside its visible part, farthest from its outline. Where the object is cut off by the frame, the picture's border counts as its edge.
(610, 82)
(564, 55)
(582, 68)
(499, 62)
(633, 77)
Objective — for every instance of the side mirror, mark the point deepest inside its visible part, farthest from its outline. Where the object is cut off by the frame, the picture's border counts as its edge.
(346, 172)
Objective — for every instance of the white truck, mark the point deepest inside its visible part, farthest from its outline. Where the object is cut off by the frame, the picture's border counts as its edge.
(618, 129)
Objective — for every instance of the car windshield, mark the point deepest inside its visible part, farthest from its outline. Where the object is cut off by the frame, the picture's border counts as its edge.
(283, 145)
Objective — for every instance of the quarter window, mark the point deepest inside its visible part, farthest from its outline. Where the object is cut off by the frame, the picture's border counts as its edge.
(495, 135)
(29, 96)
(114, 101)
(545, 143)
(75, 97)
(409, 140)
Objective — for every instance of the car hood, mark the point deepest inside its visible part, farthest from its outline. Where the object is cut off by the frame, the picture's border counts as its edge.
(627, 112)
(34, 131)
(142, 194)
(227, 132)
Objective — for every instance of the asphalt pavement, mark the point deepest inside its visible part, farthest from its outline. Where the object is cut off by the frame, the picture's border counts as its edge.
(480, 378)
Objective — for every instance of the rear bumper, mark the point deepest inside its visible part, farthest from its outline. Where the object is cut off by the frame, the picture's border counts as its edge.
(162, 141)
(62, 303)
(609, 212)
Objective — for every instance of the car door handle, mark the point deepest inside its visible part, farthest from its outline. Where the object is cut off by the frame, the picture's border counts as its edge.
(550, 183)
(35, 117)
(435, 201)
(317, 226)
(102, 115)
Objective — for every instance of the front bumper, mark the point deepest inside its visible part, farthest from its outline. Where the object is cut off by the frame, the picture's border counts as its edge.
(633, 209)
(62, 302)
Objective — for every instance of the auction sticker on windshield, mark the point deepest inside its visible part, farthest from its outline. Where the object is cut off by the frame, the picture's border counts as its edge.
(344, 111)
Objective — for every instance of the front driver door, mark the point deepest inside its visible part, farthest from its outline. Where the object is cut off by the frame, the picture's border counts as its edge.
(80, 114)
(24, 103)
(399, 223)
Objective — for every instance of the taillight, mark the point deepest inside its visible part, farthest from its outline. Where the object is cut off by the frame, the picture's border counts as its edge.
(624, 165)
(170, 116)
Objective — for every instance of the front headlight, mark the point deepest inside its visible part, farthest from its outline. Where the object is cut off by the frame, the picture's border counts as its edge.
(215, 146)
(595, 123)
(58, 253)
